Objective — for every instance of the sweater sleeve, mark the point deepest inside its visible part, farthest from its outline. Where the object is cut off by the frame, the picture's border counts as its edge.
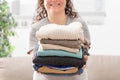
(87, 41)
(33, 42)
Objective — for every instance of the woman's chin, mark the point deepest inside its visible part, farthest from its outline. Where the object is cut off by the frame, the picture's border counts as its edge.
(56, 11)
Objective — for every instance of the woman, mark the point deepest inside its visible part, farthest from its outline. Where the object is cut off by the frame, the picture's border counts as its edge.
(57, 12)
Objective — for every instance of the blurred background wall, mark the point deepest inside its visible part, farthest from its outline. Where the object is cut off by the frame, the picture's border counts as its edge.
(101, 16)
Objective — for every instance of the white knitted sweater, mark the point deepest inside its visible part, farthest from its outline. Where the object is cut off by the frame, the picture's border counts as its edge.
(55, 31)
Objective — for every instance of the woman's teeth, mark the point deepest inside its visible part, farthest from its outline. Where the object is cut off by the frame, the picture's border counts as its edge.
(54, 4)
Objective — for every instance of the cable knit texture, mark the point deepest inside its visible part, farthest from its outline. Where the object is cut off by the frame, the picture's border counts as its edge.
(55, 31)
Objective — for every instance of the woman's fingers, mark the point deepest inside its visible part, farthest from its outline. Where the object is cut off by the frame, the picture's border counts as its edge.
(86, 57)
(84, 67)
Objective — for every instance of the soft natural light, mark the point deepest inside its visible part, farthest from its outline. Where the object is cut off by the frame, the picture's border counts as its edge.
(104, 38)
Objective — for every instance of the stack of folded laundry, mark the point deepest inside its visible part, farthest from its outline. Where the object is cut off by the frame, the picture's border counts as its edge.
(61, 51)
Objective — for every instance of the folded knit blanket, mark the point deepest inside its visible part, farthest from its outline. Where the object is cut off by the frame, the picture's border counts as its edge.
(58, 47)
(59, 61)
(54, 31)
(67, 43)
(59, 53)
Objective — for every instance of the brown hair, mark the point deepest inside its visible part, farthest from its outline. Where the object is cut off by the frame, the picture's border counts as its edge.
(42, 13)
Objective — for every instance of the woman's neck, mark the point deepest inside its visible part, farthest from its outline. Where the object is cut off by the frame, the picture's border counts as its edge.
(58, 19)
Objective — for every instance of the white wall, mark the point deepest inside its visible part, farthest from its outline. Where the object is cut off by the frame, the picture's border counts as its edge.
(106, 39)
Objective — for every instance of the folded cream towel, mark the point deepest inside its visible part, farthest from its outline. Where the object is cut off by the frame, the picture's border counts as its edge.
(55, 31)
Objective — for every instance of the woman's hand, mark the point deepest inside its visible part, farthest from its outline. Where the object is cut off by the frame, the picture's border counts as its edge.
(86, 59)
(31, 52)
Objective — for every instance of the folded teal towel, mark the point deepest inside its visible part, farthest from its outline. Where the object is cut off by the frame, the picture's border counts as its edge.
(59, 53)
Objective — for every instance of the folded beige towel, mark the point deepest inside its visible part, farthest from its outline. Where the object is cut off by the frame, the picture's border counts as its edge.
(58, 47)
(67, 43)
(54, 31)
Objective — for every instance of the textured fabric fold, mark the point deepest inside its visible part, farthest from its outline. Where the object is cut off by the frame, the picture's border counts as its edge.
(36, 66)
(58, 47)
(59, 53)
(67, 43)
(45, 69)
(55, 31)
(55, 60)
(79, 72)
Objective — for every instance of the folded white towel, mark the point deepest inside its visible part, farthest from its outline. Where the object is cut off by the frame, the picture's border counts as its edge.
(55, 31)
